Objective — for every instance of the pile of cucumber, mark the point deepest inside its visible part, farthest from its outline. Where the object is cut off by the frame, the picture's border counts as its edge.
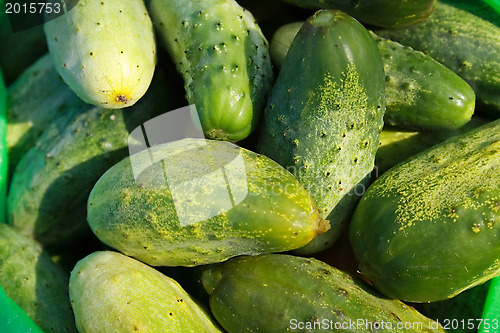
(251, 166)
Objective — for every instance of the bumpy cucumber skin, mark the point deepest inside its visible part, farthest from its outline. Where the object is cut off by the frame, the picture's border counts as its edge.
(396, 145)
(224, 59)
(467, 44)
(50, 186)
(38, 96)
(420, 92)
(113, 293)
(139, 220)
(427, 229)
(383, 13)
(24, 47)
(104, 50)
(34, 282)
(325, 127)
(281, 288)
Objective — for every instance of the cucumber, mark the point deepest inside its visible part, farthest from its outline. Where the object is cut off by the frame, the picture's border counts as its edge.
(288, 293)
(13, 319)
(113, 293)
(24, 47)
(463, 42)
(396, 145)
(421, 93)
(194, 201)
(427, 229)
(104, 50)
(50, 186)
(38, 96)
(34, 282)
(383, 13)
(224, 59)
(325, 127)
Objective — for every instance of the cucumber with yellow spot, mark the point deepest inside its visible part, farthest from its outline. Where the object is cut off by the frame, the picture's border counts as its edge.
(427, 229)
(194, 201)
(325, 127)
(104, 50)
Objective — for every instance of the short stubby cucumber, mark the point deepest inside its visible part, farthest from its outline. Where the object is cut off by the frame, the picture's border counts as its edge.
(396, 144)
(35, 99)
(34, 282)
(325, 127)
(420, 92)
(284, 293)
(50, 185)
(13, 318)
(195, 201)
(111, 292)
(427, 229)
(383, 13)
(463, 42)
(104, 50)
(224, 59)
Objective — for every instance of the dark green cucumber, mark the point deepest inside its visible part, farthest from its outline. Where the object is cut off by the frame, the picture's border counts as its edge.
(34, 282)
(427, 229)
(396, 145)
(420, 92)
(383, 13)
(282, 293)
(224, 59)
(51, 184)
(35, 99)
(325, 127)
(200, 202)
(463, 42)
(114, 293)
(20, 49)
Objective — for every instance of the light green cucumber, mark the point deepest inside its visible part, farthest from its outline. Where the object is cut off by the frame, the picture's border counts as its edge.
(104, 50)
(427, 229)
(35, 99)
(463, 42)
(420, 92)
(34, 282)
(383, 13)
(194, 201)
(325, 127)
(224, 59)
(111, 292)
(284, 293)
(51, 183)
(396, 144)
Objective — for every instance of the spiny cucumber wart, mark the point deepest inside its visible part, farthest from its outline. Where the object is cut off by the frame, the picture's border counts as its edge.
(201, 201)
(427, 229)
(285, 293)
(325, 127)
(420, 92)
(224, 59)
(111, 292)
(104, 50)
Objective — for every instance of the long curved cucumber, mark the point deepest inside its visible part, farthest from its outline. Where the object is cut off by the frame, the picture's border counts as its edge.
(224, 59)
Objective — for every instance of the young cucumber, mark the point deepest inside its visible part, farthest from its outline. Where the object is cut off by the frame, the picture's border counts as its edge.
(104, 50)
(325, 127)
(194, 201)
(113, 293)
(383, 13)
(34, 282)
(465, 43)
(50, 185)
(224, 59)
(420, 92)
(284, 293)
(427, 229)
